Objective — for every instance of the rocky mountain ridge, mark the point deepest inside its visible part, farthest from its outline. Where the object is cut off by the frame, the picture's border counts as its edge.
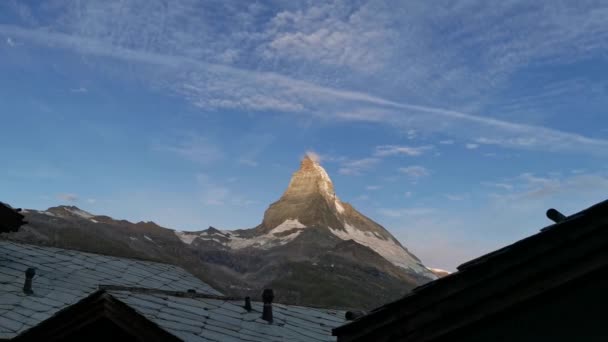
(312, 248)
(310, 201)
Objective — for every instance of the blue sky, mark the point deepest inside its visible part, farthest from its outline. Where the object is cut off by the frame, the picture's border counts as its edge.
(453, 124)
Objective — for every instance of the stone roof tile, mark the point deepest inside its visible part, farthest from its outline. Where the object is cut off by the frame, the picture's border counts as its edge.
(226, 320)
(64, 277)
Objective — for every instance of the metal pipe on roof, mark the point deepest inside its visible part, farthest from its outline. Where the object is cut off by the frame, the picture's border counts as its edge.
(555, 216)
(29, 276)
(248, 304)
(267, 298)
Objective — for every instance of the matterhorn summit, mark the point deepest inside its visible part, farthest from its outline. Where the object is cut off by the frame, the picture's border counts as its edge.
(310, 210)
(310, 199)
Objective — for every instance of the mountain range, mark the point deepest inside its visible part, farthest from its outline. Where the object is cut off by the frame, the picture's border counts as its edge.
(311, 248)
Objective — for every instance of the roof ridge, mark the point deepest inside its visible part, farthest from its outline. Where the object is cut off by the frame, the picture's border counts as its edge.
(147, 290)
(186, 294)
(32, 245)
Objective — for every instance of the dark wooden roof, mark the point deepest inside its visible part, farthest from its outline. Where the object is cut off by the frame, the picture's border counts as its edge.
(491, 283)
(75, 319)
(10, 218)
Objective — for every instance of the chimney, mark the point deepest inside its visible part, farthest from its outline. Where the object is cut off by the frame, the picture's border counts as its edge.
(29, 275)
(555, 215)
(267, 297)
(247, 304)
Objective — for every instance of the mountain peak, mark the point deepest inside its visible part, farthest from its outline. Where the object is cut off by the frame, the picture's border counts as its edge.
(310, 161)
(310, 201)
(311, 178)
(70, 210)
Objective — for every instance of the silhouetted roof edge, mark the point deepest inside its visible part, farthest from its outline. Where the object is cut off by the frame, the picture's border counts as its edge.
(97, 304)
(475, 272)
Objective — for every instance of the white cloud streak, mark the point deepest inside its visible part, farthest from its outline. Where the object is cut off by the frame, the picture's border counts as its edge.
(189, 67)
(415, 171)
(194, 148)
(390, 150)
(405, 212)
(68, 197)
(358, 166)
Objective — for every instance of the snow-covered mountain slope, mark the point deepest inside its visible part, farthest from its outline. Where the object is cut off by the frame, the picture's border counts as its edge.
(311, 202)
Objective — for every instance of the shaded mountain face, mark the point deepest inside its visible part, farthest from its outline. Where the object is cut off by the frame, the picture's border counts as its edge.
(311, 248)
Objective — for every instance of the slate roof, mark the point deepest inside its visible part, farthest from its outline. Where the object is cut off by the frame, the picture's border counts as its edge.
(158, 292)
(210, 319)
(559, 253)
(64, 277)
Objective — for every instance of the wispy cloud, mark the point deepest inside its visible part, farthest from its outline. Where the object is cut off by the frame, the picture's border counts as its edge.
(322, 33)
(314, 156)
(185, 61)
(415, 171)
(358, 166)
(68, 197)
(215, 193)
(373, 187)
(456, 197)
(498, 185)
(248, 162)
(79, 90)
(194, 148)
(405, 212)
(531, 187)
(390, 150)
(362, 198)
(253, 146)
(471, 146)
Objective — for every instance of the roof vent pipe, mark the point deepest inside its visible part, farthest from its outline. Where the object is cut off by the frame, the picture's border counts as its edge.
(29, 275)
(267, 298)
(555, 215)
(247, 304)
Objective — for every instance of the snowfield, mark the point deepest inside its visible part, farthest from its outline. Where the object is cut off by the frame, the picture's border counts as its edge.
(391, 251)
(267, 240)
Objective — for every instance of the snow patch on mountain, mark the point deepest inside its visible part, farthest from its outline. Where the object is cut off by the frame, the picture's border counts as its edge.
(233, 241)
(80, 213)
(439, 272)
(339, 206)
(270, 239)
(186, 237)
(326, 184)
(288, 224)
(263, 241)
(390, 250)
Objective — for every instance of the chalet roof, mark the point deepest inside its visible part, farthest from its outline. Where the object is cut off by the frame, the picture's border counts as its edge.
(200, 317)
(68, 284)
(559, 253)
(64, 277)
(209, 319)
